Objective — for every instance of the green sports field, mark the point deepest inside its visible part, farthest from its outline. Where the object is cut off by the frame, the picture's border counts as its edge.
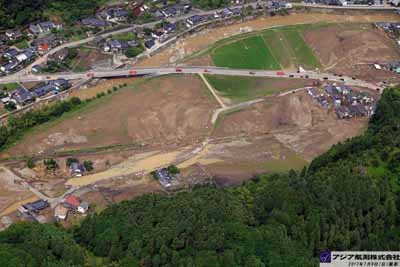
(273, 49)
(250, 53)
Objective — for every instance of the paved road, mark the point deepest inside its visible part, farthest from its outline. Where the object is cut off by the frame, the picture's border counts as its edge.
(187, 70)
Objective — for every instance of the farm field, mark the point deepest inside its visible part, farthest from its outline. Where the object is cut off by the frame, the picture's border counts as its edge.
(236, 89)
(159, 111)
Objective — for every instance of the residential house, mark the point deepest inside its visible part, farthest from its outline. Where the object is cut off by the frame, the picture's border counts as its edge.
(60, 55)
(10, 67)
(34, 207)
(60, 84)
(159, 35)
(140, 9)
(42, 45)
(94, 23)
(10, 53)
(194, 20)
(149, 43)
(26, 55)
(34, 29)
(77, 169)
(164, 177)
(60, 212)
(169, 27)
(43, 89)
(116, 15)
(72, 202)
(115, 46)
(83, 207)
(22, 96)
(14, 35)
(44, 27)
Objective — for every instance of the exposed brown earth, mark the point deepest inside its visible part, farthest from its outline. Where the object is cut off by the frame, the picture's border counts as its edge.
(295, 120)
(164, 111)
(348, 49)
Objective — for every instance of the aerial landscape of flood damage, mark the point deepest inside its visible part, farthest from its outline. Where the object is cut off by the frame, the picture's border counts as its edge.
(198, 133)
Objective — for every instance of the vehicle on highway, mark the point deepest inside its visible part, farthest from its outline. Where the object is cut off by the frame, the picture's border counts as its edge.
(280, 73)
(291, 75)
(90, 75)
(325, 78)
(252, 72)
(206, 70)
(132, 72)
(178, 70)
(306, 76)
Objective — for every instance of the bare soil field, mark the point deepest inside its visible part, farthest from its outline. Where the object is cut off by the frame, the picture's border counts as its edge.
(162, 111)
(345, 48)
(87, 57)
(202, 40)
(294, 120)
(11, 192)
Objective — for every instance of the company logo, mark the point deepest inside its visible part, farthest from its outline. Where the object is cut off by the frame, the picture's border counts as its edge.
(325, 257)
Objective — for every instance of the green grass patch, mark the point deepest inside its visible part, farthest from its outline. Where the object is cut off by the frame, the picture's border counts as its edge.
(283, 47)
(239, 89)
(277, 43)
(303, 54)
(250, 53)
(129, 36)
(22, 45)
(9, 86)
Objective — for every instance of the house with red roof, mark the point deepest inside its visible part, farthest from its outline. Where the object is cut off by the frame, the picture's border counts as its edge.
(72, 202)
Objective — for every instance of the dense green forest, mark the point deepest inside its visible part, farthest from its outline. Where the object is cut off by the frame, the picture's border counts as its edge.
(21, 12)
(348, 199)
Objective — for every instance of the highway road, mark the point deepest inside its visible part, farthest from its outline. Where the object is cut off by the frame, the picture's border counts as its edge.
(187, 70)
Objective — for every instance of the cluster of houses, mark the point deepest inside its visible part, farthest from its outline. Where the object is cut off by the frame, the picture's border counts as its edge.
(32, 211)
(70, 204)
(346, 102)
(14, 59)
(41, 41)
(22, 96)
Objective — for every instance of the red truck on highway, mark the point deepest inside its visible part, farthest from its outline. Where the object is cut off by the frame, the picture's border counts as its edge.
(178, 70)
(280, 73)
(132, 72)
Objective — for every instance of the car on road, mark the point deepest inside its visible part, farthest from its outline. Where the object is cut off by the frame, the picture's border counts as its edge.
(178, 70)
(252, 72)
(132, 72)
(291, 75)
(206, 70)
(306, 76)
(280, 73)
(325, 78)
